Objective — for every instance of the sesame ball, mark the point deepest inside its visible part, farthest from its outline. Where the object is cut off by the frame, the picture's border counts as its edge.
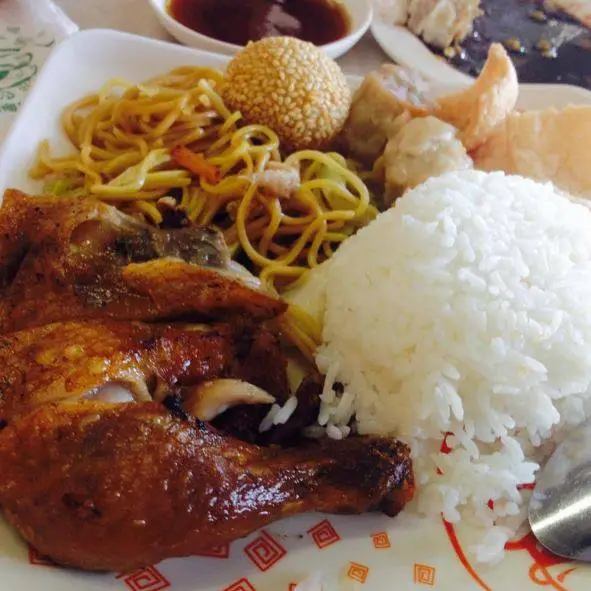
(292, 87)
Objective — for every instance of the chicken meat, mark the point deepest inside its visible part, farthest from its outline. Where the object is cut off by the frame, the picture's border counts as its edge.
(129, 430)
(105, 486)
(71, 258)
(70, 361)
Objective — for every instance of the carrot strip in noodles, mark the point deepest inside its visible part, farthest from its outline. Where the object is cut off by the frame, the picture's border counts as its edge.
(196, 163)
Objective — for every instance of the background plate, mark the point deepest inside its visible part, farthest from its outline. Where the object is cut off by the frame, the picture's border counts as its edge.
(407, 49)
(365, 552)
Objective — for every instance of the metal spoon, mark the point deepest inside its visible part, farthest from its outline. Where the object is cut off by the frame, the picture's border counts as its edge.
(560, 506)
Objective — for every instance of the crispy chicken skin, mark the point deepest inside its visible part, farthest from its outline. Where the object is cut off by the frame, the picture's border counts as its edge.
(72, 258)
(116, 487)
(71, 360)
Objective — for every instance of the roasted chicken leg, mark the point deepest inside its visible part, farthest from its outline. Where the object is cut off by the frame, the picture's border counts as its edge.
(115, 487)
(73, 258)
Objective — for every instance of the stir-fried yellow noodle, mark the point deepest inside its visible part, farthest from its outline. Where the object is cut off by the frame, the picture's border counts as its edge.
(174, 136)
(124, 134)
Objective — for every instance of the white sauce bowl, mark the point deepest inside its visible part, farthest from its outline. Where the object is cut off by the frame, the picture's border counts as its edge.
(360, 15)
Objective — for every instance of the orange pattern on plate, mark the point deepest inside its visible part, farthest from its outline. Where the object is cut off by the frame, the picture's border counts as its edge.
(539, 572)
(240, 585)
(424, 574)
(265, 551)
(324, 534)
(145, 579)
(381, 540)
(358, 572)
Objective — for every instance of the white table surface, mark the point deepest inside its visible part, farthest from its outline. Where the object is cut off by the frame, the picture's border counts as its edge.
(136, 16)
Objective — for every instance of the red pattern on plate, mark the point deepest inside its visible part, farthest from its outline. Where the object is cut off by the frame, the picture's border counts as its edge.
(292, 587)
(324, 534)
(539, 571)
(216, 552)
(241, 585)
(542, 560)
(358, 572)
(265, 551)
(37, 559)
(455, 543)
(145, 579)
(381, 540)
(424, 574)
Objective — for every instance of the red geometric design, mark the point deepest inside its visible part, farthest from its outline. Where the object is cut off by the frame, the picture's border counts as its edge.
(381, 541)
(324, 534)
(265, 551)
(216, 552)
(145, 579)
(240, 585)
(38, 559)
(358, 572)
(424, 574)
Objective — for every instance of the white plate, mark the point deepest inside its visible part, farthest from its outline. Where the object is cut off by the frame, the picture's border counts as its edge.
(407, 49)
(362, 552)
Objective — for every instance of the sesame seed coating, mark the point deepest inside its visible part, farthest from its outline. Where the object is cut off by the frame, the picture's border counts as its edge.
(291, 86)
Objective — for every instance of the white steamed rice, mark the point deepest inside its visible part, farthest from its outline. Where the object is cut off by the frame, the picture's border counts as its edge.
(464, 309)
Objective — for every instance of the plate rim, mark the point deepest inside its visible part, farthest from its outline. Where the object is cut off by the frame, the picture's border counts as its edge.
(430, 66)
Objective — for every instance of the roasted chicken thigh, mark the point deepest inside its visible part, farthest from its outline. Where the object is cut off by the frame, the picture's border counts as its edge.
(73, 360)
(73, 258)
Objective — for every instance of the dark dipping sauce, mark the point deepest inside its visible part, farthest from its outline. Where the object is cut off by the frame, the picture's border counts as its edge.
(241, 21)
(546, 46)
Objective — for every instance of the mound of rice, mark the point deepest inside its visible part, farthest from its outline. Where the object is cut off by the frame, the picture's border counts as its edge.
(466, 309)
